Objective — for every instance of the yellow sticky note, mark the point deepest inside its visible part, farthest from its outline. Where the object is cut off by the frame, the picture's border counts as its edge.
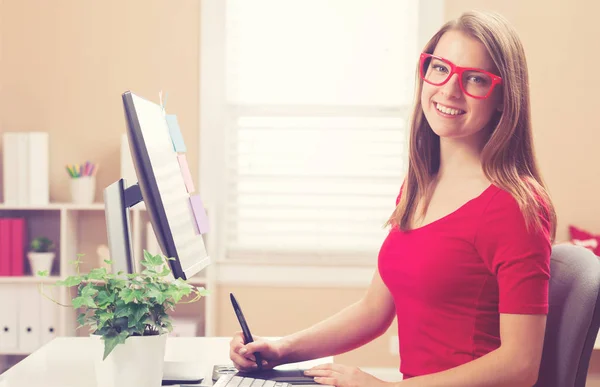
(185, 171)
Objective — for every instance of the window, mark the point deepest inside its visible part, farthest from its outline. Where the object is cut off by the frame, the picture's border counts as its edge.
(304, 110)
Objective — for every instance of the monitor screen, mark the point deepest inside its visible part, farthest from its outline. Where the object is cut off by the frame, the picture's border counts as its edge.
(162, 186)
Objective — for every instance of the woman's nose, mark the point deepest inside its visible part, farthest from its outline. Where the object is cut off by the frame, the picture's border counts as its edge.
(451, 89)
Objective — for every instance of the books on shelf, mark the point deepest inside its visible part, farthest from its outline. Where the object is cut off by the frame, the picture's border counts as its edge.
(25, 167)
(12, 247)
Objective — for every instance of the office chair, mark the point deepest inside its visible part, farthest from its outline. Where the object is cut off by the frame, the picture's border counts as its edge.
(573, 317)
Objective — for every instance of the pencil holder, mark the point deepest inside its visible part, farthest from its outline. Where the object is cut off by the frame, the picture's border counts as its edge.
(83, 189)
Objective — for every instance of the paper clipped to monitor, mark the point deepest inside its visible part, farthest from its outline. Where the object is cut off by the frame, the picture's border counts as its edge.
(185, 172)
(175, 132)
(199, 214)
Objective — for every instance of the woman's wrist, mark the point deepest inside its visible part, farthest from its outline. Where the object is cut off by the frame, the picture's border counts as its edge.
(284, 349)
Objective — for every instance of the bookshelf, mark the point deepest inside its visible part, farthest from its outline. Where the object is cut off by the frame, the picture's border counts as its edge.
(81, 229)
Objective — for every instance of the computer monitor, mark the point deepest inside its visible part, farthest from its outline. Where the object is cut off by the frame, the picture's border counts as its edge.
(161, 187)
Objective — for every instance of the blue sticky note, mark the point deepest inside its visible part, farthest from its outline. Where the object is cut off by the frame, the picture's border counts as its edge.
(176, 137)
(199, 214)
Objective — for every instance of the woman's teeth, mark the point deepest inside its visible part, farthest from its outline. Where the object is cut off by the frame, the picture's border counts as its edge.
(447, 110)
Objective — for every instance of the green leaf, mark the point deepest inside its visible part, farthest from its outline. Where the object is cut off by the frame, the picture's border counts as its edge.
(81, 319)
(137, 313)
(156, 293)
(108, 261)
(88, 291)
(121, 324)
(42, 273)
(165, 272)
(178, 290)
(70, 281)
(104, 298)
(75, 262)
(151, 261)
(116, 283)
(103, 319)
(167, 325)
(128, 295)
(81, 301)
(122, 309)
(97, 274)
(112, 340)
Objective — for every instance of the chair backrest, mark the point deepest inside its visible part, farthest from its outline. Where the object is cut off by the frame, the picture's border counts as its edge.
(573, 317)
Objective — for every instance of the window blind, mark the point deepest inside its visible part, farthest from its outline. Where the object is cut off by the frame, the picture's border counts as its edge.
(317, 95)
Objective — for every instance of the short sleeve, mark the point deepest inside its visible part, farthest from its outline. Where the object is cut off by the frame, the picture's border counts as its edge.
(517, 256)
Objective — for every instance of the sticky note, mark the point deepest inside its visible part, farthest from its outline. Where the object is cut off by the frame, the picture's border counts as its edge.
(185, 171)
(199, 214)
(175, 132)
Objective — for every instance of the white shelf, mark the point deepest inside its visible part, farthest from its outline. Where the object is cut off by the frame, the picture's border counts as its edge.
(66, 222)
(14, 352)
(28, 280)
(54, 206)
(66, 206)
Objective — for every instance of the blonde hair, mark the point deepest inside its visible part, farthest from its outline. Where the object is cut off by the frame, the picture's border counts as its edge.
(508, 158)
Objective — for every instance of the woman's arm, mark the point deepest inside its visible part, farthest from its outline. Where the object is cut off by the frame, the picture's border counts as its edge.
(515, 363)
(352, 327)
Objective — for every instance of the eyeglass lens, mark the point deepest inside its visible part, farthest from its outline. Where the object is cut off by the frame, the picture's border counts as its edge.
(475, 83)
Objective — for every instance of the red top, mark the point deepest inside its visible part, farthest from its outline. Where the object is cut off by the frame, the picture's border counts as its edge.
(451, 278)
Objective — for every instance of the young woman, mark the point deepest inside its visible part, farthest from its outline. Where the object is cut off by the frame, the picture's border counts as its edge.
(466, 265)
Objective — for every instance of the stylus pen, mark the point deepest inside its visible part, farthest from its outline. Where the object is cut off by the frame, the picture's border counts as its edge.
(247, 335)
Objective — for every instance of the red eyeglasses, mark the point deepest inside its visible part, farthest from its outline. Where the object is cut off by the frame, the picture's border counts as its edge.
(476, 83)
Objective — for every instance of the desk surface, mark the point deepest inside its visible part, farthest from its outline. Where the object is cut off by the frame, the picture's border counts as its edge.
(68, 361)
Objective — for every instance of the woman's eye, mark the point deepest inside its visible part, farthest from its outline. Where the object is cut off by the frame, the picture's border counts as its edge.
(477, 80)
(440, 68)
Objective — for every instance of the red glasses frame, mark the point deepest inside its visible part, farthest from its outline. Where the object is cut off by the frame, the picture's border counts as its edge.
(454, 69)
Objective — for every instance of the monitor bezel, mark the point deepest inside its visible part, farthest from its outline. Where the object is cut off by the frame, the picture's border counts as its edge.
(149, 187)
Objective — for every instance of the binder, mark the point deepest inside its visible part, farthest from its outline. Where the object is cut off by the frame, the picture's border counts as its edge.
(9, 167)
(22, 169)
(29, 318)
(5, 247)
(38, 165)
(9, 318)
(17, 246)
(49, 320)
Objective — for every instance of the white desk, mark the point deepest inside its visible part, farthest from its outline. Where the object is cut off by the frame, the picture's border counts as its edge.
(68, 361)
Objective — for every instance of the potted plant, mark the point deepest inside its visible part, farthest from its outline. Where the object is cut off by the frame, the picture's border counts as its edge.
(128, 313)
(41, 254)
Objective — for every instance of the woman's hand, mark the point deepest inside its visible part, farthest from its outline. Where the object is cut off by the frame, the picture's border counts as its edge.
(242, 355)
(344, 376)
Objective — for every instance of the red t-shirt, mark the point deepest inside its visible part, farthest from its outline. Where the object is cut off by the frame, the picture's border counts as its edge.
(451, 278)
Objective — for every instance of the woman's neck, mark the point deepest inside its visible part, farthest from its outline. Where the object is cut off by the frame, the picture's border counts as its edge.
(460, 158)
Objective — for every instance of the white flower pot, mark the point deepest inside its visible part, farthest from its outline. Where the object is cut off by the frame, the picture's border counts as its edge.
(40, 261)
(137, 362)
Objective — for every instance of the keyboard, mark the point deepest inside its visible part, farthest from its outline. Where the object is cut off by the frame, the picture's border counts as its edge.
(238, 381)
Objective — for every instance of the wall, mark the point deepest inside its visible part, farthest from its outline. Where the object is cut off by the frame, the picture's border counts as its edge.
(66, 63)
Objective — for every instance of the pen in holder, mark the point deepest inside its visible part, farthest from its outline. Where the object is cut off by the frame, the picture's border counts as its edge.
(83, 182)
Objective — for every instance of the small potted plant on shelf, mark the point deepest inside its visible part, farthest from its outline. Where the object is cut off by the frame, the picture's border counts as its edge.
(128, 313)
(41, 254)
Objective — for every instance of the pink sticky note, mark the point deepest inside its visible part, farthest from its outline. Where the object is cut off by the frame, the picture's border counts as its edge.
(199, 214)
(185, 171)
